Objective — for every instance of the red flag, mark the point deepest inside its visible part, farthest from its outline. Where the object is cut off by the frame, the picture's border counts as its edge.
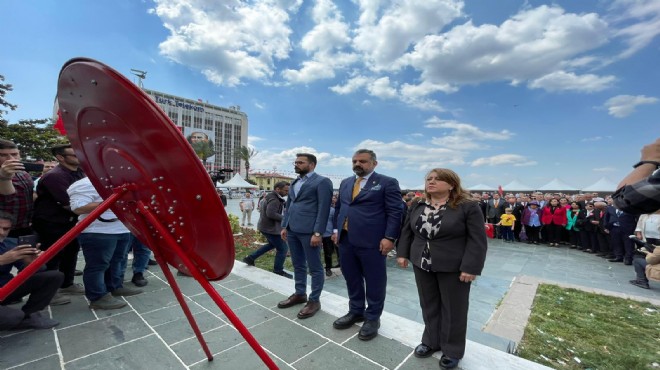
(59, 124)
(500, 190)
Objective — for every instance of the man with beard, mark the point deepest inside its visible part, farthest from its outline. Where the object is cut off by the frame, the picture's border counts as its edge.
(305, 219)
(367, 223)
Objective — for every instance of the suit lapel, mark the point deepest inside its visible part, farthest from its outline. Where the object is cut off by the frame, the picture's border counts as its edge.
(371, 182)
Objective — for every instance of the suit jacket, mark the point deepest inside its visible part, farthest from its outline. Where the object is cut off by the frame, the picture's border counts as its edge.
(375, 213)
(495, 212)
(626, 220)
(307, 212)
(584, 222)
(460, 245)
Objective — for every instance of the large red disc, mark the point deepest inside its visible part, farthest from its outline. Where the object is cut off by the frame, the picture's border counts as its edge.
(122, 137)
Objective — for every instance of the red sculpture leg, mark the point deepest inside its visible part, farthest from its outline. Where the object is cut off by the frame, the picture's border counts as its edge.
(182, 301)
(59, 245)
(144, 209)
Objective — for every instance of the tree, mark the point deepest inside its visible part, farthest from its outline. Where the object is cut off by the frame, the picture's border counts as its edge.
(4, 89)
(245, 153)
(33, 137)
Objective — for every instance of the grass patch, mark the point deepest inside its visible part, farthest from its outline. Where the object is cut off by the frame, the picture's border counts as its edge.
(572, 329)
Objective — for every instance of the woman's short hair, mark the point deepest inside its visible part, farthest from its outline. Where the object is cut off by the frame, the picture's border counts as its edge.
(457, 195)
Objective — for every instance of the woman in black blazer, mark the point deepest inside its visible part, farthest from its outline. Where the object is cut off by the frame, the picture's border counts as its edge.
(445, 239)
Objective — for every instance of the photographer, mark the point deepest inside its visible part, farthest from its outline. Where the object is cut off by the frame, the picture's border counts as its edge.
(647, 263)
(639, 192)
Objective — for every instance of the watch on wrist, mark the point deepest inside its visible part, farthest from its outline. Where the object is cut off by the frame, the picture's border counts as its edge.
(655, 163)
(317, 234)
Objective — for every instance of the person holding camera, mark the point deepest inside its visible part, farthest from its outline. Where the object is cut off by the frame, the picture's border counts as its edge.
(646, 262)
(639, 192)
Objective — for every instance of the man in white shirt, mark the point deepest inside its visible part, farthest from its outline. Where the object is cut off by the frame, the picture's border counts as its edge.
(104, 243)
(247, 205)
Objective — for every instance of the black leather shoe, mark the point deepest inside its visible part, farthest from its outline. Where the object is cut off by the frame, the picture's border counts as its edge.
(423, 351)
(615, 260)
(292, 301)
(447, 362)
(328, 272)
(627, 262)
(152, 262)
(248, 261)
(347, 321)
(369, 330)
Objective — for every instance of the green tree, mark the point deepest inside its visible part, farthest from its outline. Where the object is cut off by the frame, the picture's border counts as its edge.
(245, 153)
(33, 137)
(4, 89)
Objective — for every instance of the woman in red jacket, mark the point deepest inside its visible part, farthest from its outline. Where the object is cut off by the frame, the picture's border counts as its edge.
(554, 220)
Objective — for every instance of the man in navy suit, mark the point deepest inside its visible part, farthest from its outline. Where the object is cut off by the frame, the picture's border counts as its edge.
(367, 223)
(304, 221)
(620, 225)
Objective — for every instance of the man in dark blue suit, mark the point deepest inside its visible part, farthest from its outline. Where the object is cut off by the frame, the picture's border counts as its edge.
(620, 225)
(367, 223)
(304, 221)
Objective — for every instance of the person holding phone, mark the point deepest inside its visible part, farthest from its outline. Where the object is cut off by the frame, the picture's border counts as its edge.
(41, 287)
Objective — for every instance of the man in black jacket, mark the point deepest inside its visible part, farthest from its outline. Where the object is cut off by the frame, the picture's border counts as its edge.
(269, 225)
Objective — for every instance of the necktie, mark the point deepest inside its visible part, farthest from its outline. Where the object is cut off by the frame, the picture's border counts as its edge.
(356, 191)
(356, 187)
(496, 203)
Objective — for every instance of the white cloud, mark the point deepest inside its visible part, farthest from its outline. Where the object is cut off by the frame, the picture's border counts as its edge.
(622, 106)
(351, 85)
(382, 89)
(229, 41)
(254, 139)
(561, 81)
(641, 23)
(515, 160)
(414, 156)
(594, 138)
(259, 105)
(464, 136)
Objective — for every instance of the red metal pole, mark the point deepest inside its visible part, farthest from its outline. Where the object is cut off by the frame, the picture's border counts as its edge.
(207, 287)
(182, 301)
(46, 256)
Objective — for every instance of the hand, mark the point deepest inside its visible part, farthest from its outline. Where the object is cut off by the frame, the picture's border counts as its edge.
(11, 167)
(638, 234)
(606, 231)
(651, 152)
(283, 234)
(386, 246)
(402, 262)
(335, 238)
(316, 241)
(23, 252)
(467, 278)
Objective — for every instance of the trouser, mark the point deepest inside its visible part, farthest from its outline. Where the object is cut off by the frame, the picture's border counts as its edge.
(141, 254)
(506, 232)
(365, 273)
(328, 249)
(444, 300)
(41, 287)
(603, 242)
(588, 239)
(639, 263)
(494, 220)
(574, 237)
(517, 227)
(67, 258)
(553, 233)
(622, 246)
(247, 214)
(274, 242)
(532, 233)
(105, 256)
(303, 254)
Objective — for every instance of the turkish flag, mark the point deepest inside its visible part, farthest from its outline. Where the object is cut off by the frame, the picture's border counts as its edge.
(500, 190)
(59, 124)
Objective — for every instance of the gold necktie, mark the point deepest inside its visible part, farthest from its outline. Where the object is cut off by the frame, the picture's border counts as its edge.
(356, 191)
(356, 187)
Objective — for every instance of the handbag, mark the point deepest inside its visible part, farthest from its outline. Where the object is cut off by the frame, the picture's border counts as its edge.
(523, 234)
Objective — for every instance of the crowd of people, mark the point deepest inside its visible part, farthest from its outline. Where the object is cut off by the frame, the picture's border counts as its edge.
(442, 233)
(34, 215)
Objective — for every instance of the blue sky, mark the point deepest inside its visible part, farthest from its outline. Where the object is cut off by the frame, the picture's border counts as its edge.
(496, 90)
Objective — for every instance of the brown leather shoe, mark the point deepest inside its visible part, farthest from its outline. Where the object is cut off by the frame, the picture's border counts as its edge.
(293, 300)
(309, 310)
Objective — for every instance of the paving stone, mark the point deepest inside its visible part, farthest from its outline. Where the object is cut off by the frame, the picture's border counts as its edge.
(252, 291)
(46, 363)
(270, 300)
(385, 351)
(221, 339)
(150, 301)
(285, 339)
(107, 332)
(144, 353)
(333, 357)
(20, 347)
(234, 282)
(239, 357)
(254, 314)
(73, 313)
(322, 323)
(168, 314)
(414, 363)
(178, 330)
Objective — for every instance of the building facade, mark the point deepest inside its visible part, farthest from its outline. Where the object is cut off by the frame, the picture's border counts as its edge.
(226, 129)
(267, 181)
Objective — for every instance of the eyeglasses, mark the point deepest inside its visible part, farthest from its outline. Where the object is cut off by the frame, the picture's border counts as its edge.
(299, 162)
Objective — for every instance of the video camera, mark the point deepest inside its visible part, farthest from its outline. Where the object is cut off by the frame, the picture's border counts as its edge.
(640, 244)
(220, 175)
